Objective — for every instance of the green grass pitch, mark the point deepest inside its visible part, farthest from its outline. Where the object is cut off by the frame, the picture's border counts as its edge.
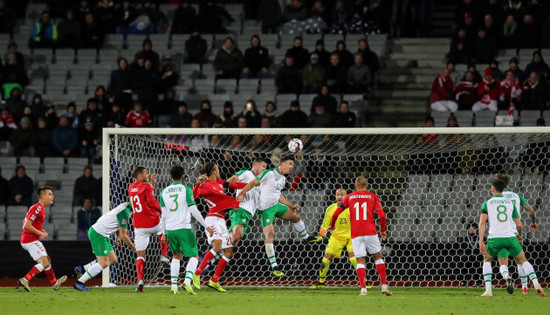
(248, 300)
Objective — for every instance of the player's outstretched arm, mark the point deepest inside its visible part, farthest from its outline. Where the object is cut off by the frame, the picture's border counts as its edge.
(335, 215)
(519, 227)
(482, 222)
(382, 218)
(247, 188)
(28, 226)
(285, 202)
(197, 215)
(123, 235)
(534, 226)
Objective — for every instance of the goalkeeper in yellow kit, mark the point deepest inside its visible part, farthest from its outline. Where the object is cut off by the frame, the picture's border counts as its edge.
(340, 238)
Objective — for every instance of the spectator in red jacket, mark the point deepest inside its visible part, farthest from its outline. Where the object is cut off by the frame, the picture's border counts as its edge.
(466, 92)
(488, 90)
(510, 92)
(138, 118)
(442, 90)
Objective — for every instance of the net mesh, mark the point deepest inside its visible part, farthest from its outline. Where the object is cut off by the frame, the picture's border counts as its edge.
(430, 186)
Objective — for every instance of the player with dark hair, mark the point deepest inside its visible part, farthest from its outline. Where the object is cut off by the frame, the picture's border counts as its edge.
(30, 240)
(274, 204)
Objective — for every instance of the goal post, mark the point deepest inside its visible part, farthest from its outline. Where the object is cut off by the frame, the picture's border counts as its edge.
(431, 182)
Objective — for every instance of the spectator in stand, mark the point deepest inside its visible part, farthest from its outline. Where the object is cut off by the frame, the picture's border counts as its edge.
(21, 188)
(441, 96)
(22, 139)
(472, 69)
(147, 52)
(205, 118)
(86, 186)
(299, 53)
(37, 105)
(51, 116)
(168, 105)
(336, 75)
(228, 117)
(294, 117)
(43, 33)
(538, 65)
(345, 118)
(497, 74)
(125, 14)
(530, 32)
(288, 77)
(100, 97)
(510, 32)
(7, 124)
(252, 115)
(488, 91)
(91, 113)
(359, 76)
(27, 113)
(534, 93)
(12, 49)
(486, 48)
(496, 10)
(492, 29)
(89, 139)
(159, 20)
(451, 121)
(269, 13)
(120, 86)
(345, 56)
(43, 139)
(72, 116)
(86, 217)
(510, 93)
(116, 116)
(466, 92)
(462, 48)
(195, 48)
(8, 18)
(266, 123)
(324, 56)
(82, 9)
(470, 23)
(313, 76)
(181, 119)
(93, 34)
(453, 74)
(326, 100)
(15, 104)
(105, 14)
(229, 61)
(69, 31)
(138, 118)
(4, 190)
(399, 17)
(241, 122)
(370, 58)
(271, 112)
(211, 18)
(320, 118)
(147, 85)
(13, 75)
(65, 138)
(185, 18)
(295, 10)
(518, 73)
(169, 77)
(256, 60)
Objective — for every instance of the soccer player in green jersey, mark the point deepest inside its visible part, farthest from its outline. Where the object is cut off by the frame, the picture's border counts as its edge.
(274, 204)
(499, 212)
(177, 205)
(519, 202)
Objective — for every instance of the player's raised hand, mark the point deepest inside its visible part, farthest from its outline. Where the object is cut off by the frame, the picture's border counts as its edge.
(383, 235)
(153, 179)
(295, 207)
(483, 248)
(534, 226)
(118, 242)
(240, 198)
(201, 179)
(44, 234)
(233, 179)
(209, 231)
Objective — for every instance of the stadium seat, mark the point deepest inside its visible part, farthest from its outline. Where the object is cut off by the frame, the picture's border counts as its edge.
(529, 117)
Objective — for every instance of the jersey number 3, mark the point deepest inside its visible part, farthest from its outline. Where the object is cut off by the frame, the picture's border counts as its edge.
(357, 207)
(136, 204)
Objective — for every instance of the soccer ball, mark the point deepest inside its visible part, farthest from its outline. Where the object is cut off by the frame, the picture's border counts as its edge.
(295, 145)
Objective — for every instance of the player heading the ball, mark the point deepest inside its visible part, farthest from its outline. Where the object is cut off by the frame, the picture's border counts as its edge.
(362, 204)
(30, 240)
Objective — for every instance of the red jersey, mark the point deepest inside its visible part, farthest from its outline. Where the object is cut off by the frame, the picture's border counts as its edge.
(138, 120)
(362, 205)
(488, 91)
(218, 202)
(144, 205)
(37, 215)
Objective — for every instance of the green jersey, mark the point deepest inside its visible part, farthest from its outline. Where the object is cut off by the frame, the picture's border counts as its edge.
(272, 183)
(251, 198)
(112, 220)
(175, 203)
(501, 213)
(518, 201)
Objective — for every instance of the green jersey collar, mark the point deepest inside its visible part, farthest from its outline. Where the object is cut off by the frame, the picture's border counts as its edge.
(176, 183)
(277, 169)
(498, 196)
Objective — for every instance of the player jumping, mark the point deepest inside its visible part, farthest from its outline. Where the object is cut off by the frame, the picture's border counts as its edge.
(30, 240)
(177, 204)
(114, 220)
(364, 238)
(500, 211)
(274, 204)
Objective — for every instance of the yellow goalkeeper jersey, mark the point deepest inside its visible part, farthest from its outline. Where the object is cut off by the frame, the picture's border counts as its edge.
(342, 227)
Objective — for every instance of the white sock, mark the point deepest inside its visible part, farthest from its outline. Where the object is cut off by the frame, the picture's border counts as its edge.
(270, 251)
(190, 270)
(504, 271)
(530, 272)
(40, 267)
(522, 276)
(93, 271)
(488, 276)
(359, 266)
(88, 265)
(217, 256)
(300, 227)
(174, 272)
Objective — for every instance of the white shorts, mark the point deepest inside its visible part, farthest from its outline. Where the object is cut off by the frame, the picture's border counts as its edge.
(221, 232)
(36, 249)
(143, 234)
(364, 244)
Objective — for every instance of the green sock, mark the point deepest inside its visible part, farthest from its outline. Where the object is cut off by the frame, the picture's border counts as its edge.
(323, 270)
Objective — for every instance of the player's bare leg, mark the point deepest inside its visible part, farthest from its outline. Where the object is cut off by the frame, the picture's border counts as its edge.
(381, 269)
(269, 234)
(503, 262)
(530, 271)
(237, 234)
(299, 226)
(140, 268)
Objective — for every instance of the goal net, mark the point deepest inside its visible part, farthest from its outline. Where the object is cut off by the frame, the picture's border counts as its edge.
(431, 183)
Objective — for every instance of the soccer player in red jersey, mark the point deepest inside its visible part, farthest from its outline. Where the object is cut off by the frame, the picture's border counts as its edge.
(146, 218)
(30, 240)
(364, 236)
(212, 191)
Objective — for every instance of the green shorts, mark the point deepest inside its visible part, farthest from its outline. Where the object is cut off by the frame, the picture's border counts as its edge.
(239, 217)
(101, 245)
(183, 242)
(496, 247)
(267, 215)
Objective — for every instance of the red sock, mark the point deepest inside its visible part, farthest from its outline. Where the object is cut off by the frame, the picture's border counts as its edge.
(36, 269)
(205, 260)
(163, 247)
(221, 266)
(361, 275)
(381, 269)
(140, 267)
(51, 275)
